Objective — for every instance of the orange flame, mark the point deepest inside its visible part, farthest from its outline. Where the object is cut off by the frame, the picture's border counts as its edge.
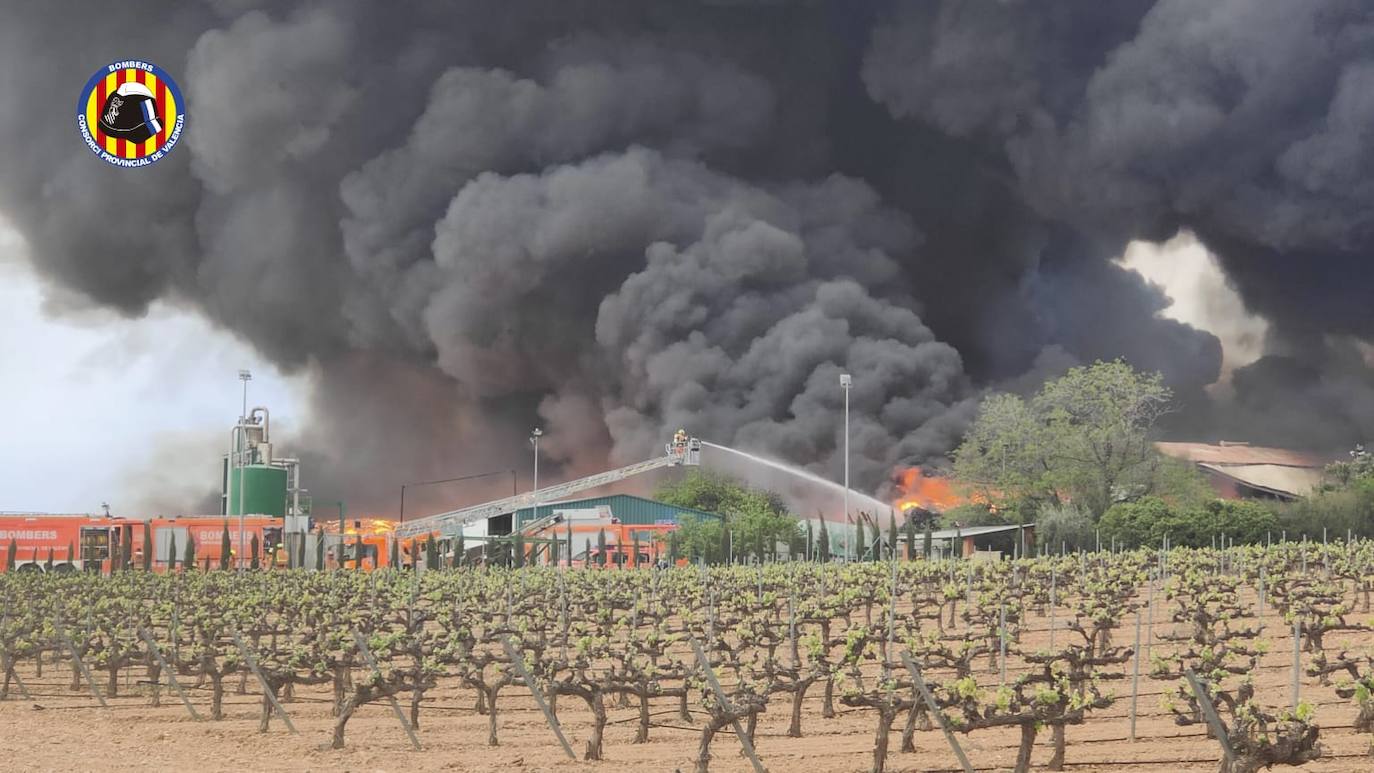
(916, 489)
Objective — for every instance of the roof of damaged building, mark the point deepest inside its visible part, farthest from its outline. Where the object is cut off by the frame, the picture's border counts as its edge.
(1279, 471)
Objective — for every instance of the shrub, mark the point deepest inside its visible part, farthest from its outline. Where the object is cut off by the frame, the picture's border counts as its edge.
(1067, 525)
(1146, 522)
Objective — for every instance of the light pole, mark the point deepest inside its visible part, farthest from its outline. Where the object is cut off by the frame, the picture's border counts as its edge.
(845, 382)
(534, 438)
(244, 376)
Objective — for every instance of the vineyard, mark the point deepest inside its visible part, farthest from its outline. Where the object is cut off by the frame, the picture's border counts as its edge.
(1186, 659)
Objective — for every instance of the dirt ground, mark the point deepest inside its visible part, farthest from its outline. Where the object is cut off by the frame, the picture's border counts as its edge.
(62, 731)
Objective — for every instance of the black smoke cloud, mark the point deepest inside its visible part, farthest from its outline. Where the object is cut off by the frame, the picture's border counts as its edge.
(617, 219)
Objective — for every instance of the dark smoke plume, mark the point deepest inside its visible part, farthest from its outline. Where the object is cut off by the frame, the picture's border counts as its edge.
(614, 219)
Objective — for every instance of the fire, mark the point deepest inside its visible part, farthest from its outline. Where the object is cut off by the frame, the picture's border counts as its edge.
(915, 489)
(370, 526)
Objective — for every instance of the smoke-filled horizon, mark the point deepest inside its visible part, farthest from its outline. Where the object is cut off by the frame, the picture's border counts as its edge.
(615, 219)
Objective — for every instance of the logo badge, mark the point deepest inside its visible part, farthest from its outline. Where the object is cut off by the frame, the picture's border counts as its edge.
(131, 113)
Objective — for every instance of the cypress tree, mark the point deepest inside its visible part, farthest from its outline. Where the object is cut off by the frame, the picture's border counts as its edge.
(300, 551)
(810, 540)
(634, 558)
(553, 550)
(48, 564)
(147, 547)
(459, 551)
(518, 550)
(587, 552)
(225, 548)
(726, 543)
(11, 555)
(859, 547)
(601, 547)
(188, 556)
(358, 551)
(892, 537)
(672, 548)
(126, 554)
(253, 562)
(171, 552)
(571, 549)
(877, 535)
(823, 545)
(910, 536)
(394, 554)
(319, 551)
(431, 554)
(71, 556)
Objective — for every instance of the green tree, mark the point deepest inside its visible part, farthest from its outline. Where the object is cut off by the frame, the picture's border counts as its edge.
(71, 556)
(1086, 437)
(253, 547)
(823, 544)
(11, 554)
(518, 550)
(859, 547)
(188, 557)
(49, 563)
(171, 552)
(601, 547)
(699, 539)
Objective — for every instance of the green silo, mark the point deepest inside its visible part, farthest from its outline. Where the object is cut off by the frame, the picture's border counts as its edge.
(264, 491)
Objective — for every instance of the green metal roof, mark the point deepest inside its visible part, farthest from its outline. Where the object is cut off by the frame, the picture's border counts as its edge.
(627, 507)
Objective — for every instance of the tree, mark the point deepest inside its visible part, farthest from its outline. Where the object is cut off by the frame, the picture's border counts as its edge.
(171, 552)
(253, 562)
(47, 565)
(810, 540)
(11, 554)
(188, 558)
(823, 545)
(1086, 437)
(601, 547)
(147, 547)
(71, 556)
(859, 547)
(225, 548)
(460, 548)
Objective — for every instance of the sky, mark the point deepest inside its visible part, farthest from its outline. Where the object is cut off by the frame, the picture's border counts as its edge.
(94, 401)
(97, 402)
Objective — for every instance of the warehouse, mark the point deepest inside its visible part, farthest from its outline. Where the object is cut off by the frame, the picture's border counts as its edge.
(626, 508)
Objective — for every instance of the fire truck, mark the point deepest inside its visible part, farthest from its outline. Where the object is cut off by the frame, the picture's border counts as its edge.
(92, 543)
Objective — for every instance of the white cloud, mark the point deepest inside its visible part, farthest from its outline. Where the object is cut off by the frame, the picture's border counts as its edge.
(1201, 296)
(90, 397)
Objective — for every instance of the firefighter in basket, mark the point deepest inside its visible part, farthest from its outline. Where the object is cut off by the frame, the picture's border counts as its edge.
(680, 442)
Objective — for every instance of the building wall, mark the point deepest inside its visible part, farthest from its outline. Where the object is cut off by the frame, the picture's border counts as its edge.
(629, 509)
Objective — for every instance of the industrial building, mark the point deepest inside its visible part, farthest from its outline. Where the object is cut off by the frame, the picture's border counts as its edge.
(626, 508)
(1243, 471)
